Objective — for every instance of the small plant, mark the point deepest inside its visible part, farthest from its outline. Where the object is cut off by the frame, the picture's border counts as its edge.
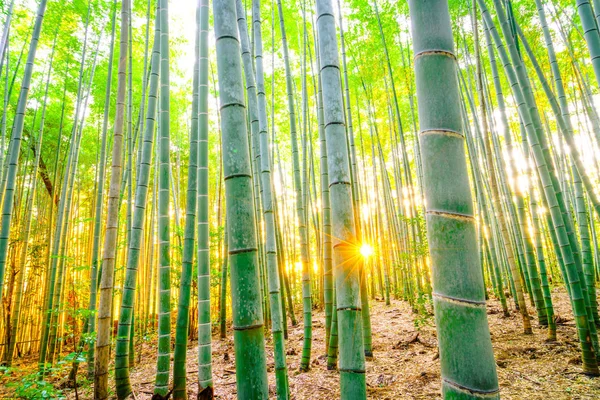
(4, 370)
(423, 316)
(70, 358)
(32, 387)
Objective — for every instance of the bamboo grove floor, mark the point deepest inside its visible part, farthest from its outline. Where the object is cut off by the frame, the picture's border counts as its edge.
(405, 363)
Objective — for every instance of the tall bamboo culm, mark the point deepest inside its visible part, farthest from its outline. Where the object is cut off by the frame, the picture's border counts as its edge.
(273, 267)
(205, 384)
(300, 206)
(346, 254)
(183, 307)
(100, 199)
(248, 320)
(112, 222)
(15, 143)
(163, 361)
(466, 355)
(123, 384)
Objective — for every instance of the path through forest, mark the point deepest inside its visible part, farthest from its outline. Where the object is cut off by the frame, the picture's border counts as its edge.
(405, 365)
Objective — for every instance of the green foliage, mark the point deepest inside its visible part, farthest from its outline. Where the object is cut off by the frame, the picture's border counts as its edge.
(32, 387)
(424, 312)
(74, 357)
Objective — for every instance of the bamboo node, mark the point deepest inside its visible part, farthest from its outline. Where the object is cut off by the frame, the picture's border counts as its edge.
(463, 302)
(482, 394)
(444, 132)
(432, 52)
(452, 215)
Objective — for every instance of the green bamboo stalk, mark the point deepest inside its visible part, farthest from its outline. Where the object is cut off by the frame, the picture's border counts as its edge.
(280, 246)
(586, 251)
(286, 278)
(129, 156)
(543, 273)
(366, 317)
(591, 35)
(183, 307)
(205, 384)
(4, 38)
(112, 220)
(141, 118)
(332, 348)
(255, 155)
(300, 206)
(326, 210)
(468, 371)
(5, 164)
(281, 266)
(250, 79)
(306, 206)
(345, 247)
(13, 160)
(152, 238)
(364, 296)
(223, 293)
(594, 272)
(275, 298)
(163, 362)
(248, 322)
(100, 198)
(4, 117)
(122, 365)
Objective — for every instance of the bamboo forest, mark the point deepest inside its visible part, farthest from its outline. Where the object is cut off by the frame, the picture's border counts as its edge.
(312, 199)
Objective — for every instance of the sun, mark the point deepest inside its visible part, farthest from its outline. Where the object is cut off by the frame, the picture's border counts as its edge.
(366, 250)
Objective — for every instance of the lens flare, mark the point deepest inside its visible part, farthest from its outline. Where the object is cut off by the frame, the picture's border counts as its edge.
(366, 250)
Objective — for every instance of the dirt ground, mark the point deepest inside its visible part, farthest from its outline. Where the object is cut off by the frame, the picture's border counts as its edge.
(405, 363)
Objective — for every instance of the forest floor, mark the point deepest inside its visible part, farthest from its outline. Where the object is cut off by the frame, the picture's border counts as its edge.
(405, 363)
